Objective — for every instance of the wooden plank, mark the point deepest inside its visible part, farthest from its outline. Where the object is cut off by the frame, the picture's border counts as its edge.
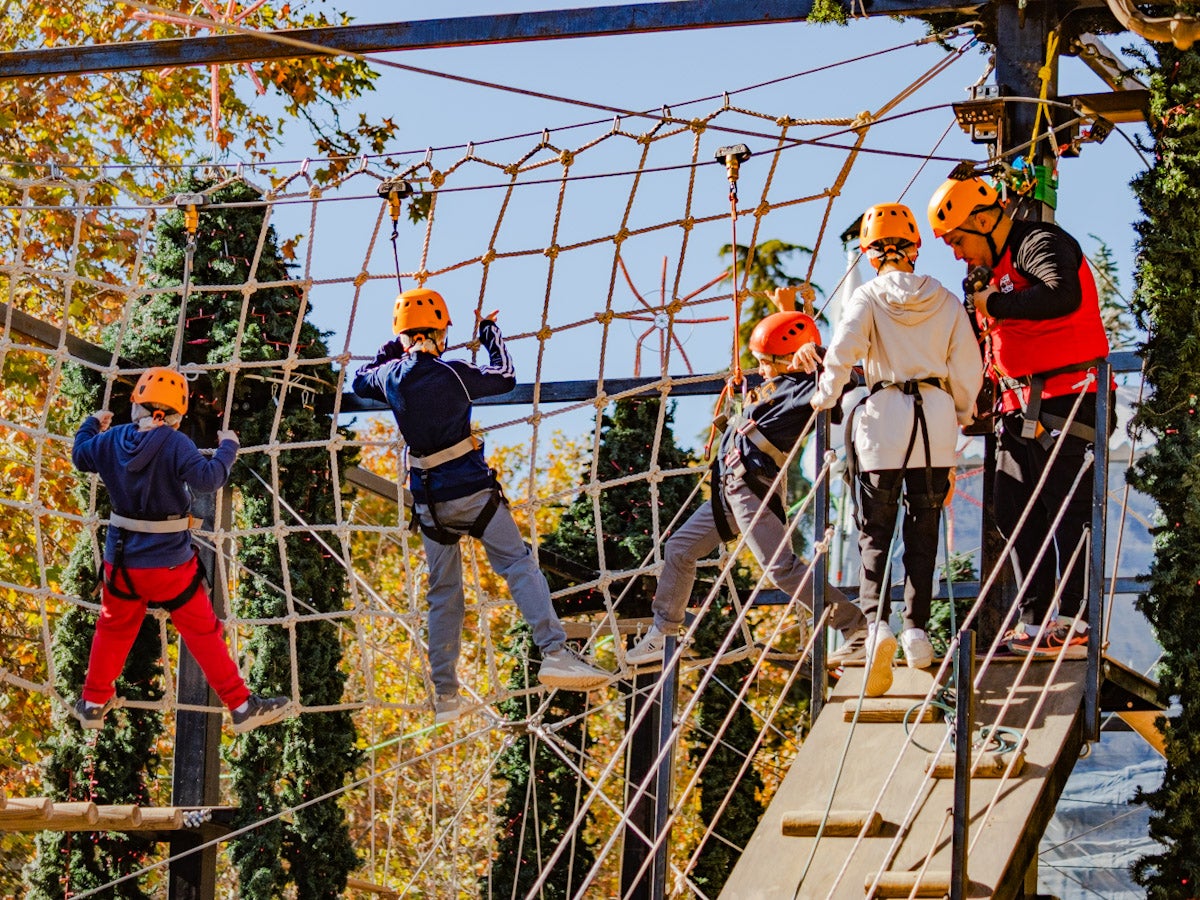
(497, 28)
(163, 818)
(838, 823)
(907, 884)
(1146, 725)
(1003, 846)
(984, 765)
(888, 709)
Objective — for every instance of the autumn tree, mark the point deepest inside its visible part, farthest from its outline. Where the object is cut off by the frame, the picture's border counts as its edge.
(273, 768)
(70, 252)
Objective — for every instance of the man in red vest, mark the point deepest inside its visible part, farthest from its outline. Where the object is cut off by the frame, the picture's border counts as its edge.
(1045, 336)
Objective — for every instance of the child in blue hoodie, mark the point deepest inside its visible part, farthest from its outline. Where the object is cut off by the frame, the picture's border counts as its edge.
(454, 491)
(150, 469)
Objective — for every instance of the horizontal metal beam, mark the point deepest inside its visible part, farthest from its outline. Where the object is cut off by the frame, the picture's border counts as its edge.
(582, 391)
(425, 34)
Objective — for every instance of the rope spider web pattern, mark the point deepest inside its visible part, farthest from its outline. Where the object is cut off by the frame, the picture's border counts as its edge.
(534, 245)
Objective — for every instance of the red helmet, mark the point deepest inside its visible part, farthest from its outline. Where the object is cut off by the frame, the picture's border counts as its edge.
(783, 333)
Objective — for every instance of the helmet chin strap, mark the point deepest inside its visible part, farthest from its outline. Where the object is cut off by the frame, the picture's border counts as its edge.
(987, 235)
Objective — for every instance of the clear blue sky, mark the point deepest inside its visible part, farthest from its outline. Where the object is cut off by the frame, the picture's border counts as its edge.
(645, 72)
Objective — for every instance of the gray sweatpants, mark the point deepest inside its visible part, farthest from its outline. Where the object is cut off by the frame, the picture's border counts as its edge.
(512, 561)
(698, 537)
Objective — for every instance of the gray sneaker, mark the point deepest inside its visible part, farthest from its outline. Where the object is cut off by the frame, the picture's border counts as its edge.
(259, 711)
(566, 670)
(89, 715)
(853, 650)
(446, 708)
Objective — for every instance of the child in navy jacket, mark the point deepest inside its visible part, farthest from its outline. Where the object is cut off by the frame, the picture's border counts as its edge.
(150, 469)
(454, 491)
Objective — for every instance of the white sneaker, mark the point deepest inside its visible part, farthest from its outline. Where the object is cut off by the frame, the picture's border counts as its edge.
(446, 708)
(918, 652)
(881, 649)
(853, 649)
(564, 669)
(649, 650)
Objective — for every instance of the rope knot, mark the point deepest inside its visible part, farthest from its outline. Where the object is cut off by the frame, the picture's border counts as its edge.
(688, 224)
(566, 157)
(489, 256)
(605, 318)
(621, 235)
(545, 333)
(552, 251)
(437, 179)
(360, 279)
(698, 126)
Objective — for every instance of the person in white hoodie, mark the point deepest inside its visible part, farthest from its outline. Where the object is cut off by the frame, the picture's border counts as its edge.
(922, 363)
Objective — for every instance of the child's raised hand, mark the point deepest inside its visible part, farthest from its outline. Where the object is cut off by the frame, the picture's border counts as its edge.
(784, 298)
(806, 359)
(104, 417)
(226, 434)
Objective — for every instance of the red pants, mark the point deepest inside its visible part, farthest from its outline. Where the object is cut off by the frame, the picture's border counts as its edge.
(196, 622)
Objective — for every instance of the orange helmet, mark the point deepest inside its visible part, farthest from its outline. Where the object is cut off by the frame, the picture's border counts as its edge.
(783, 333)
(420, 309)
(888, 221)
(163, 387)
(955, 200)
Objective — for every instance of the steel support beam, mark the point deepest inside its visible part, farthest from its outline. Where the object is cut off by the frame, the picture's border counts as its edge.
(426, 34)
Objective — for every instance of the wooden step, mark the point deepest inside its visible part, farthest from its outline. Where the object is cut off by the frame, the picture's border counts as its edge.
(905, 884)
(988, 764)
(840, 823)
(888, 709)
(24, 808)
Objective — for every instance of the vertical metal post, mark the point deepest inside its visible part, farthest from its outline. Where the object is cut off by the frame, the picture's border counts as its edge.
(1022, 30)
(663, 778)
(964, 728)
(647, 814)
(820, 677)
(1096, 549)
(197, 766)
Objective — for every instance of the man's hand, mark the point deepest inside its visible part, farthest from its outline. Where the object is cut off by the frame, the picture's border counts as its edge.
(490, 317)
(226, 434)
(953, 475)
(981, 299)
(806, 359)
(104, 417)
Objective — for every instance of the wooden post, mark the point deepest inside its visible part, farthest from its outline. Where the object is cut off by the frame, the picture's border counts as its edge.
(195, 780)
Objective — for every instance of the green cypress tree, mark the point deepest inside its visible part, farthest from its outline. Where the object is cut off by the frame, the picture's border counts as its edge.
(284, 765)
(626, 510)
(1164, 301)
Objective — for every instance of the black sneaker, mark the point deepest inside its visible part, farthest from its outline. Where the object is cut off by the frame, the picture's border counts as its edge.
(259, 711)
(89, 715)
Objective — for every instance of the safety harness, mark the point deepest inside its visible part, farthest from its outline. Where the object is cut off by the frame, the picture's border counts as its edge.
(1036, 423)
(172, 525)
(437, 531)
(733, 464)
(911, 388)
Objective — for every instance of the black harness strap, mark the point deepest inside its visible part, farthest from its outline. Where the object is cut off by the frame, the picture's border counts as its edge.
(1032, 409)
(440, 534)
(721, 512)
(119, 570)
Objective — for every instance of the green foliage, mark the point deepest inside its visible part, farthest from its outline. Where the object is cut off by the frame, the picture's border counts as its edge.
(284, 765)
(829, 12)
(719, 780)
(761, 272)
(543, 791)
(1164, 303)
(110, 767)
(627, 447)
(958, 569)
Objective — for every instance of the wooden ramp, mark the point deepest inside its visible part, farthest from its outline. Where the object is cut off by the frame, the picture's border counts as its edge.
(1003, 851)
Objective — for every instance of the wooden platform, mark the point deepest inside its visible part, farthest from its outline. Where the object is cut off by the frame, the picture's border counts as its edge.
(772, 865)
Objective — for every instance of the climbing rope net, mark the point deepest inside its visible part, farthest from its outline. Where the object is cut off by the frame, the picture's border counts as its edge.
(585, 274)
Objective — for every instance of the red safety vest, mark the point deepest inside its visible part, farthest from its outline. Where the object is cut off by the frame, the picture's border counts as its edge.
(1023, 347)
